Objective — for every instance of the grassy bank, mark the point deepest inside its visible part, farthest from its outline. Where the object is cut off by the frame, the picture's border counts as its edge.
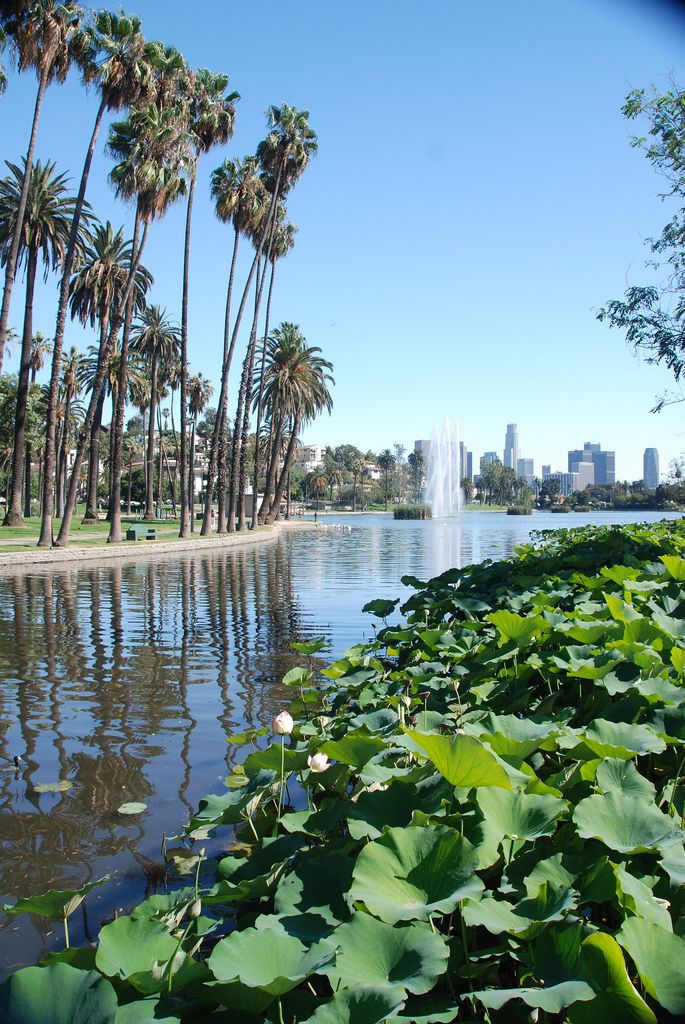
(479, 816)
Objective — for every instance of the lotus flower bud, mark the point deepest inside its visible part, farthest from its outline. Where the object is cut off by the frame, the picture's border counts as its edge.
(318, 762)
(282, 724)
(424, 695)
(406, 700)
(196, 908)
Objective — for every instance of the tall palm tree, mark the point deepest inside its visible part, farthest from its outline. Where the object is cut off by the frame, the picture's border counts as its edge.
(283, 155)
(40, 346)
(211, 116)
(68, 416)
(45, 35)
(95, 291)
(417, 462)
(295, 391)
(3, 73)
(240, 198)
(152, 146)
(282, 243)
(358, 467)
(200, 390)
(157, 339)
(45, 231)
(386, 460)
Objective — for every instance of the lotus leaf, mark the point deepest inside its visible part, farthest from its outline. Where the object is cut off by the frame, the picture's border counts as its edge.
(133, 807)
(615, 775)
(660, 960)
(552, 999)
(550, 903)
(146, 1011)
(462, 760)
(360, 1006)
(623, 823)
(134, 948)
(622, 739)
(371, 953)
(601, 964)
(54, 904)
(410, 873)
(675, 566)
(270, 960)
(507, 734)
(311, 647)
(317, 885)
(637, 897)
(356, 748)
(521, 630)
(521, 815)
(59, 994)
(62, 786)
(670, 625)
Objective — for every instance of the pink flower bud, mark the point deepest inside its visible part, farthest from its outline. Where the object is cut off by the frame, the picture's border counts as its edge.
(318, 762)
(282, 724)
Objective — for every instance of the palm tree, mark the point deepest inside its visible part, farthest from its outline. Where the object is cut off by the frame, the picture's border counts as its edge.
(157, 339)
(95, 291)
(417, 462)
(283, 241)
(358, 467)
(295, 391)
(40, 346)
(386, 460)
(46, 35)
(318, 486)
(283, 155)
(45, 231)
(200, 390)
(152, 146)
(334, 476)
(68, 416)
(211, 116)
(3, 73)
(240, 197)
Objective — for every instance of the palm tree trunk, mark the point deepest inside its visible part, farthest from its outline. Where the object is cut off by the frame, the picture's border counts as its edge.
(13, 516)
(98, 384)
(221, 477)
(160, 458)
(177, 455)
(190, 482)
(245, 431)
(272, 470)
(287, 465)
(186, 498)
(46, 537)
(225, 370)
(260, 398)
(11, 265)
(150, 456)
(91, 513)
(117, 432)
(130, 480)
(110, 474)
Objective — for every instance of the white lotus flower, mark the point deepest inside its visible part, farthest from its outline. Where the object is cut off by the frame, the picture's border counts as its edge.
(282, 724)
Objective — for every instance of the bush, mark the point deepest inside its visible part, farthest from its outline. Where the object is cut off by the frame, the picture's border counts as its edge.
(520, 510)
(413, 512)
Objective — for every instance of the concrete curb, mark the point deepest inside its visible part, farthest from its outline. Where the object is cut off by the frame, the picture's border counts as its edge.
(43, 558)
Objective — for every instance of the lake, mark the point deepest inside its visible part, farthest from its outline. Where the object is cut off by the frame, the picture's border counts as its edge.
(125, 680)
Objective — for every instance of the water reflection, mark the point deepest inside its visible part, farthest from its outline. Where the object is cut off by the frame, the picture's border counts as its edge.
(126, 679)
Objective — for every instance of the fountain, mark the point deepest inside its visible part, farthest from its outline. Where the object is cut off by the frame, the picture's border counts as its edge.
(445, 472)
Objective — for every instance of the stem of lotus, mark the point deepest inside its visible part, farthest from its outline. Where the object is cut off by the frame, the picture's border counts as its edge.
(675, 786)
(280, 1013)
(66, 933)
(197, 875)
(465, 942)
(280, 792)
(425, 715)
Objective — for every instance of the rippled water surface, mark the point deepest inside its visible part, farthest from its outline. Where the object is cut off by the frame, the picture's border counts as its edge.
(126, 680)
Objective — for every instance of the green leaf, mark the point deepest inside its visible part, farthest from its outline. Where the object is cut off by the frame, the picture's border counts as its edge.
(622, 739)
(373, 953)
(132, 808)
(317, 885)
(270, 960)
(462, 760)
(360, 1006)
(54, 904)
(380, 607)
(410, 873)
(675, 566)
(624, 823)
(509, 735)
(617, 776)
(138, 949)
(601, 964)
(660, 960)
(146, 1011)
(59, 994)
(520, 815)
(310, 647)
(552, 999)
(520, 629)
(550, 903)
(356, 748)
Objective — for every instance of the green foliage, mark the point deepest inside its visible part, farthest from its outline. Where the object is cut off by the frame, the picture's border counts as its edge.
(498, 827)
(413, 512)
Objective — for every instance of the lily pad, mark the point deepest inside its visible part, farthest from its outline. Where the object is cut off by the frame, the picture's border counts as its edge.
(660, 960)
(521, 815)
(54, 904)
(59, 994)
(373, 953)
(552, 999)
(270, 960)
(601, 964)
(410, 873)
(624, 823)
(463, 760)
(61, 786)
(132, 808)
(360, 1006)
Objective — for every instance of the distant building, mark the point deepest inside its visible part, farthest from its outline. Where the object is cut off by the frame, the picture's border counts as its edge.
(603, 463)
(584, 473)
(488, 457)
(511, 446)
(463, 460)
(568, 482)
(526, 469)
(424, 447)
(650, 464)
(469, 465)
(310, 457)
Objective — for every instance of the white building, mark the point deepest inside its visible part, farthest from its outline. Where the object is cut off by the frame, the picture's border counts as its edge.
(511, 446)
(310, 457)
(650, 468)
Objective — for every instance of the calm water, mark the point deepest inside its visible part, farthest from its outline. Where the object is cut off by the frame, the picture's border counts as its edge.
(126, 680)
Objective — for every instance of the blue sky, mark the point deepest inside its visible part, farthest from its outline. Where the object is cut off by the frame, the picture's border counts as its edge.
(475, 200)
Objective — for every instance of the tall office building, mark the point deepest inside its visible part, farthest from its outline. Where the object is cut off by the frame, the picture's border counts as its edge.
(511, 446)
(650, 468)
(463, 460)
(603, 465)
(424, 447)
(469, 465)
(526, 469)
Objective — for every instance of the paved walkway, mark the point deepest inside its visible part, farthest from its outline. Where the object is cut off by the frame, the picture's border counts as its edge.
(43, 558)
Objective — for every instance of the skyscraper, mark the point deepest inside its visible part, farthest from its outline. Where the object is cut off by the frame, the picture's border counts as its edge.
(650, 468)
(526, 469)
(511, 446)
(604, 464)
